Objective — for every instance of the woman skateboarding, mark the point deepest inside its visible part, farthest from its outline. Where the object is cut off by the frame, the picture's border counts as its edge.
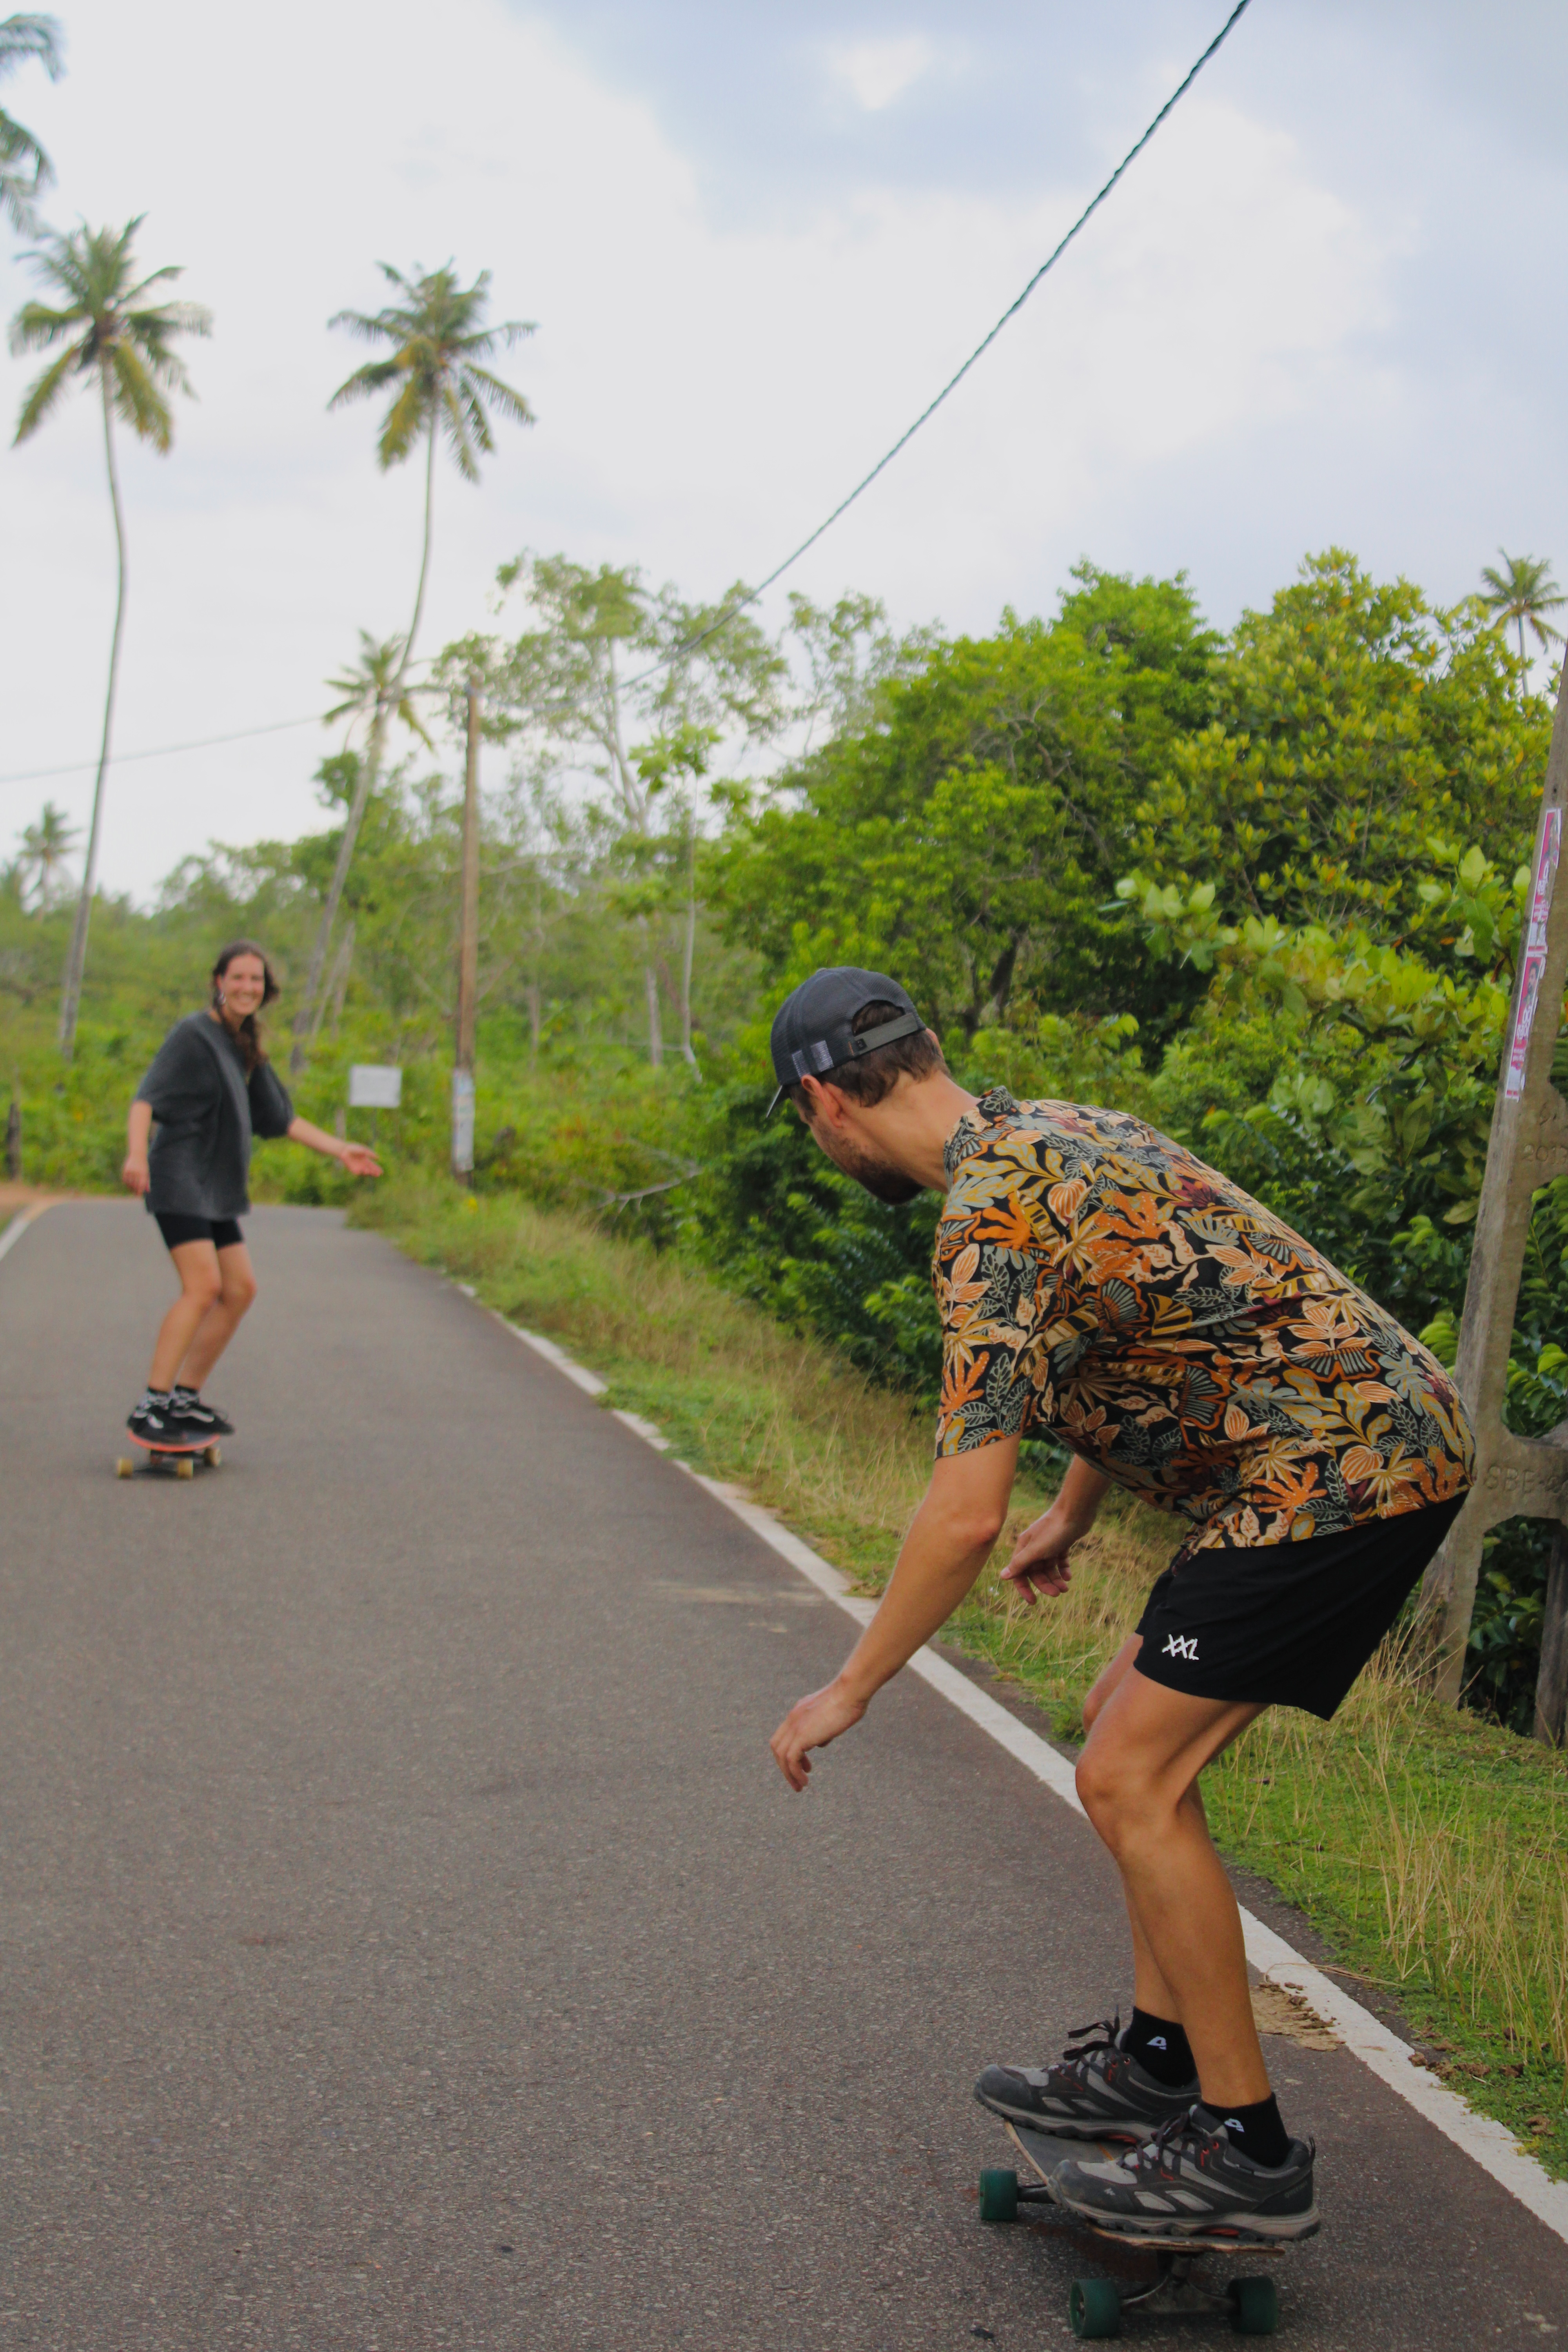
(210, 1089)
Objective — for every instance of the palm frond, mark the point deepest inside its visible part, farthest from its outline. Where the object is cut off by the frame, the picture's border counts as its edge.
(373, 377)
(27, 36)
(138, 399)
(43, 395)
(510, 403)
(404, 423)
(456, 422)
(36, 326)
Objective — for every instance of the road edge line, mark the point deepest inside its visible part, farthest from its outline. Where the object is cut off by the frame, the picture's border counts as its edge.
(1484, 2140)
(20, 1223)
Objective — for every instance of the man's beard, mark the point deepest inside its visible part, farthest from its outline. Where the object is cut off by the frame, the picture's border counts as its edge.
(878, 1176)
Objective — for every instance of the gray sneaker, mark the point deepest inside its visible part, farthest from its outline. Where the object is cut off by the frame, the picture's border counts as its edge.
(1191, 2181)
(1095, 2091)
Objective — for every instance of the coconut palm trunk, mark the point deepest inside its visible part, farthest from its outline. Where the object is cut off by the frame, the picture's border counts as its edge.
(307, 1020)
(76, 961)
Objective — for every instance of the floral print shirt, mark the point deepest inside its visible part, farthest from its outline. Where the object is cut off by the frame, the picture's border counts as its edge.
(1097, 1282)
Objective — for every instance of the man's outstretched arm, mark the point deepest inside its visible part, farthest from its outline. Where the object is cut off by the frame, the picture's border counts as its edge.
(948, 1544)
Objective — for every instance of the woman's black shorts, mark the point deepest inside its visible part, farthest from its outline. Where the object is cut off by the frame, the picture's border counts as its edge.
(222, 1232)
(1286, 1625)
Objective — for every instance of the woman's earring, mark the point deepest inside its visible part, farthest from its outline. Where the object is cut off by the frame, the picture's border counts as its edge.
(222, 1000)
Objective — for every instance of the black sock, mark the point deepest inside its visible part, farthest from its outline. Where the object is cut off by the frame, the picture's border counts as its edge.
(1257, 2131)
(1160, 2048)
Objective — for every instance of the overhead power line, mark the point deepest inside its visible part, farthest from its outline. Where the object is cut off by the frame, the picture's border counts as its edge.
(690, 644)
(163, 751)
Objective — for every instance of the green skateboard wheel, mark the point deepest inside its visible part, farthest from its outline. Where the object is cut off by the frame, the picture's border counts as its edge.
(998, 2196)
(1094, 2307)
(1255, 2306)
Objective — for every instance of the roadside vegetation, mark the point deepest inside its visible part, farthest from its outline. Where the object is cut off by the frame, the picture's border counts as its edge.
(1429, 1846)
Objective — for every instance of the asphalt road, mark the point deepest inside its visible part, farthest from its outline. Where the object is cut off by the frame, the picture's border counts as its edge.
(407, 1941)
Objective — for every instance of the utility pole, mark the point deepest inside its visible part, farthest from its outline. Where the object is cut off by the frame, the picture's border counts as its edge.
(467, 952)
(1516, 1478)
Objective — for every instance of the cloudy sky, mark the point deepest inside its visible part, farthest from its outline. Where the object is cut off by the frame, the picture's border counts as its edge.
(1322, 308)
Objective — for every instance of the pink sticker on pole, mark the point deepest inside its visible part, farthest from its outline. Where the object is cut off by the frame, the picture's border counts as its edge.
(1532, 964)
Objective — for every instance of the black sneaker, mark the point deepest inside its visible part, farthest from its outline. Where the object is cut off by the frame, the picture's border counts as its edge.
(205, 1420)
(154, 1421)
(1191, 2181)
(1095, 2091)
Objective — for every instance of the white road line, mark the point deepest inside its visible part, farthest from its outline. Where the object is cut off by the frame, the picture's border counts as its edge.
(1488, 2143)
(18, 1225)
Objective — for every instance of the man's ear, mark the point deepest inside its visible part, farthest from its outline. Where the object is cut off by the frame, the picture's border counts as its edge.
(822, 1102)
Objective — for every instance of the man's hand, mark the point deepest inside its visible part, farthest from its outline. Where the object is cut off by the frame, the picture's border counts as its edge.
(134, 1175)
(1039, 1561)
(812, 1722)
(359, 1161)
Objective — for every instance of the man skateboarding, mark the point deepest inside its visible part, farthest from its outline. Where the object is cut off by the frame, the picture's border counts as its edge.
(1098, 1283)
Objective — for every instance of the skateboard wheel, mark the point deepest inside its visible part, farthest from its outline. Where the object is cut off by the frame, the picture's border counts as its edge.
(1094, 2307)
(1254, 2307)
(998, 2194)
(212, 1455)
(185, 1467)
(125, 1467)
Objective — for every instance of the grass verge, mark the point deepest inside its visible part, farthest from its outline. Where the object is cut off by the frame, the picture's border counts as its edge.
(1430, 1848)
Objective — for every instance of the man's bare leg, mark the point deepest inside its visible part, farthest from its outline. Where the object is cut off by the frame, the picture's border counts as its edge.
(1137, 1778)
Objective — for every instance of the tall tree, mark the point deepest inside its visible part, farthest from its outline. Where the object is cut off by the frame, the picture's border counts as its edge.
(1523, 591)
(25, 170)
(42, 856)
(563, 682)
(112, 334)
(441, 389)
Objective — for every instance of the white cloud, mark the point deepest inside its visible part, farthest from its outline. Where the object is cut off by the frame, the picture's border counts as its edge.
(877, 72)
(704, 394)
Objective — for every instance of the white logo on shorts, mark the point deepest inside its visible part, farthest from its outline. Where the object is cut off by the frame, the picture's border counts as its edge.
(1182, 1646)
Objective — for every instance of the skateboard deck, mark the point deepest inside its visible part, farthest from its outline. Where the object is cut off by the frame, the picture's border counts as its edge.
(169, 1461)
(1096, 2305)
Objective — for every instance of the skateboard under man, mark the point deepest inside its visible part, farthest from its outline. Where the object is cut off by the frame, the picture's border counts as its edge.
(1095, 2305)
(169, 1461)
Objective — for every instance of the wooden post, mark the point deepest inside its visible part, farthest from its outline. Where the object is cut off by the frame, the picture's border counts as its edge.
(467, 952)
(1515, 1476)
(1552, 1682)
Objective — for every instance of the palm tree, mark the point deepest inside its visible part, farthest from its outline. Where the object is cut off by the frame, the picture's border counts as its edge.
(25, 169)
(112, 332)
(45, 849)
(441, 389)
(1523, 591)
(367, 685)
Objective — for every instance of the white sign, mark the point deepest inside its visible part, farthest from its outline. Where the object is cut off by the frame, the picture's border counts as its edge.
(375, 1086)
(1532, 964)
(462, 1122)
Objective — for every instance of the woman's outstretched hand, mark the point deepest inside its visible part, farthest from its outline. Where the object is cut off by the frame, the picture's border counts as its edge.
(134, 1175)
(359, 1162)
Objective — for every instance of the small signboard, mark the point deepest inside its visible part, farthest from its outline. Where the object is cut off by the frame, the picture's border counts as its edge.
(375, 1086)
(462, 1122)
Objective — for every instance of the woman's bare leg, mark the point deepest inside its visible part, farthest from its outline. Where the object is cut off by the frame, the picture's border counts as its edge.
(237, 1288)
(201, 1286)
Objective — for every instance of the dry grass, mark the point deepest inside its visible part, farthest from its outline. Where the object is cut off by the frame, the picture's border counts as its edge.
(1430, 1847)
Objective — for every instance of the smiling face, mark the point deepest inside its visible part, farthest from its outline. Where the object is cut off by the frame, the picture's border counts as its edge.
(242, 987)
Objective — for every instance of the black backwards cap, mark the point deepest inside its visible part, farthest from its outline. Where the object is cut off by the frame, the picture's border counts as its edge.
(812, 1032)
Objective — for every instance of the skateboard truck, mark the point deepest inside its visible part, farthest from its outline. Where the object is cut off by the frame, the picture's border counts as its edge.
(1096, 2305)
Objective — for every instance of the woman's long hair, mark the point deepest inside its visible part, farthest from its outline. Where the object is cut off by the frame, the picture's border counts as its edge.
(248, 1033)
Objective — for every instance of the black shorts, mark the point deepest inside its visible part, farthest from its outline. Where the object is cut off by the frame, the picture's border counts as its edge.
(1286, 1625)
(222, 1232)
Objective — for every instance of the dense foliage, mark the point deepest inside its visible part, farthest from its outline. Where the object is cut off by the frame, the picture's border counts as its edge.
(1264, 889)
